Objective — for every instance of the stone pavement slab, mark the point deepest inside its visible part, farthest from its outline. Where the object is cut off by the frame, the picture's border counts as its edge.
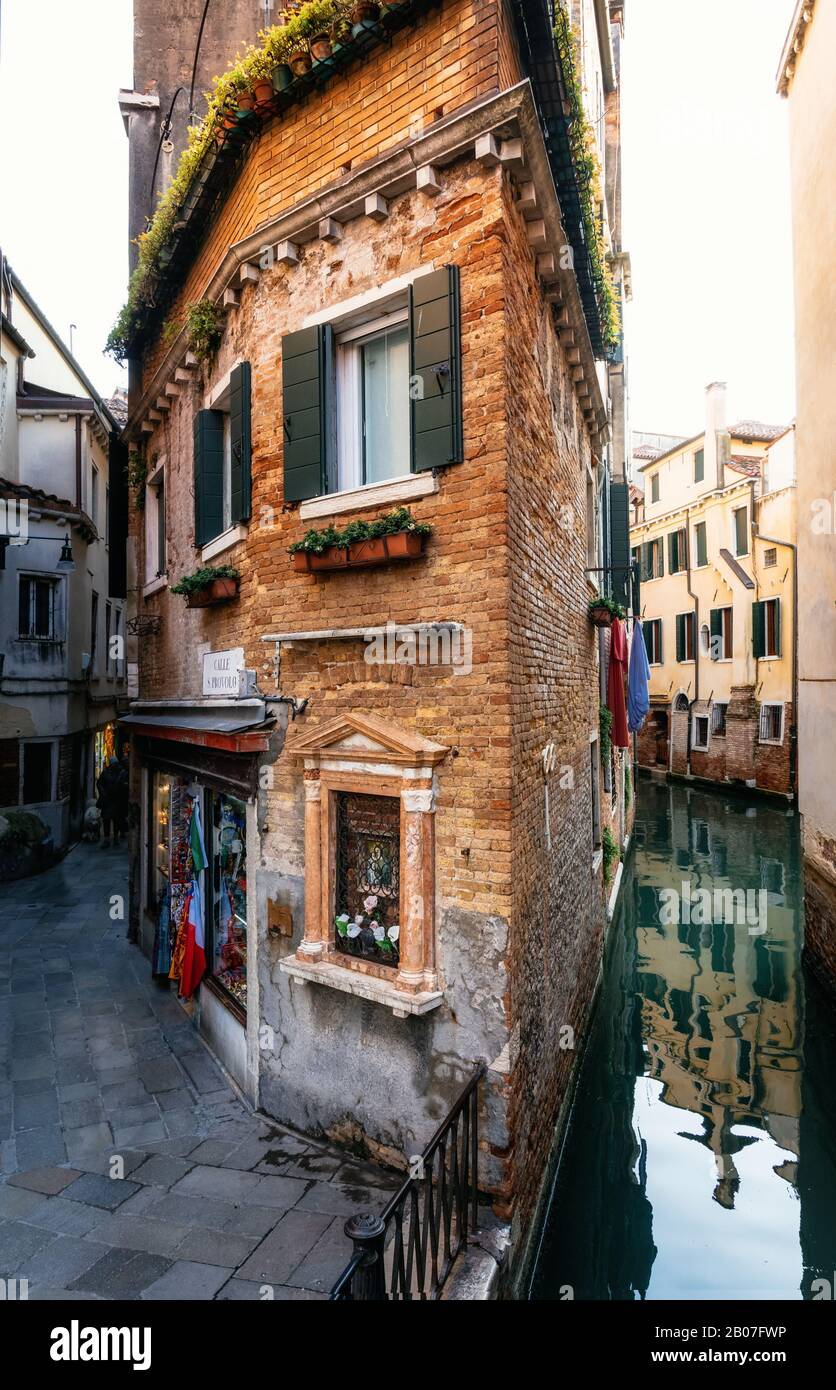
(97, 1061)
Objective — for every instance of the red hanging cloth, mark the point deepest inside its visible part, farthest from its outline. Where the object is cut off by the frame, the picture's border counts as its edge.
(615, 684)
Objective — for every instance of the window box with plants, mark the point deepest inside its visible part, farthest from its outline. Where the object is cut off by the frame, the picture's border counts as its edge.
(208, 585)
(602, 611)
(397, 536)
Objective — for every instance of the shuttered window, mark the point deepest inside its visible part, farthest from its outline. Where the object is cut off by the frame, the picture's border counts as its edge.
(676, 552)
(701, 544)
(721, 634)
(240, 444)
(699, 465)
(741, 531)
(652, 630)
(341, 422)
(766, 627)
(435, 329)
(620, 541)
(208, 475)
(685, 629)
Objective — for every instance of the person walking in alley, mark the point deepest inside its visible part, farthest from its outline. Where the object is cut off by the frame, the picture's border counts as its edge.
(112, 787)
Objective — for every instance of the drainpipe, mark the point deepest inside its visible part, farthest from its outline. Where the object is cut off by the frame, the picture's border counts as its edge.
(78, 461)
(788, 545)
(696, 603)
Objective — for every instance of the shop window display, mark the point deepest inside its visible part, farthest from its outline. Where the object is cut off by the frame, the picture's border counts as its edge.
(229, 893)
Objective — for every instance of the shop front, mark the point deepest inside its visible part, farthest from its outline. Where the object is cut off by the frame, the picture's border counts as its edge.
(199, 780)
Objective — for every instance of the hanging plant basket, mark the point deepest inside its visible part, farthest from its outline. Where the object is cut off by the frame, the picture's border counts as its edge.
(219, 591)
(603, 610)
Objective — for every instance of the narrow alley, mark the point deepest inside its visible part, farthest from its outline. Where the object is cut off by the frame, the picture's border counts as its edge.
(99, 1066)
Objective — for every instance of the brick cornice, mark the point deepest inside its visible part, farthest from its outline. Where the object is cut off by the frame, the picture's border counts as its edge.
(510, 119)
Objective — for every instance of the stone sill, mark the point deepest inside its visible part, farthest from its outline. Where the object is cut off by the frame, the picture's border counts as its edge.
(224, 541)
(154, 585)
(371, 495)
(363, 986)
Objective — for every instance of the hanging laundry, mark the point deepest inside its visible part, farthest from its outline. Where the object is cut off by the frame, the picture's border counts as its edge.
(196, 841)
(615, 684)
(638, 685)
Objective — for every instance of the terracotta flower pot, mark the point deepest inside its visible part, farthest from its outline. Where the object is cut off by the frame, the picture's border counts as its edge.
(219, 591)
(365, 12)
(246, 101)
(404, 545)
(600, 616)
(320, 47)
(263, 90)
(372, 552)
(300, 62)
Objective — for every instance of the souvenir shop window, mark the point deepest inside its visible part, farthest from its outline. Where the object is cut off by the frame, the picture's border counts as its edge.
(228, 961)
(368, 877)
(173, 873)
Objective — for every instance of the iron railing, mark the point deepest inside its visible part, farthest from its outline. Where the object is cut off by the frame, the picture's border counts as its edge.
(407, 1252)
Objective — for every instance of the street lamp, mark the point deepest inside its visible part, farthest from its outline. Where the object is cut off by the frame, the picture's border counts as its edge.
(65, 559)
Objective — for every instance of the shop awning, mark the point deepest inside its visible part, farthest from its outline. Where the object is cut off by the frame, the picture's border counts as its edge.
(245, 729)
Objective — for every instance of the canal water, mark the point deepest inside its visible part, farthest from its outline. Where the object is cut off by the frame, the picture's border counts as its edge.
(700, 1158)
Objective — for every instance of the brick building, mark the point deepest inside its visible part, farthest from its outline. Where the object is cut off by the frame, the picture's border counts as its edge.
(714, 535)
(410, 319)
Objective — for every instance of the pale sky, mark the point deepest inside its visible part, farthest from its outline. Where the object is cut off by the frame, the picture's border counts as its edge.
(706, 211)
(705, 172)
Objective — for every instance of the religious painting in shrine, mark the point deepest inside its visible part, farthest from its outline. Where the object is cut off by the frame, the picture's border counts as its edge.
(367, 924)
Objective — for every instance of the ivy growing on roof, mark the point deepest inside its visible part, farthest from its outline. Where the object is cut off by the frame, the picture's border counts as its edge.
(258, 63)
(588, 176)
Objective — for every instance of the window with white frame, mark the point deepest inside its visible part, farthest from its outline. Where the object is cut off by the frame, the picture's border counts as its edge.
(699, 732)
(654, 488)
(718, 719)
(372, 361)
(39, 609)
(771, 728)
(155, 524)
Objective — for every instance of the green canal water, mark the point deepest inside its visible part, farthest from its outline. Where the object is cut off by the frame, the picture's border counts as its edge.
(700, 1158)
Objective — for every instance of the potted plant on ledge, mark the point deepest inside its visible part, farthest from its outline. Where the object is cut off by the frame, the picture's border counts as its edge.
(208, 585)
(603, 610)
(396, 536)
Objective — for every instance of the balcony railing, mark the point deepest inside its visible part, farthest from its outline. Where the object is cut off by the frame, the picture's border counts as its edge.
(408, 1251)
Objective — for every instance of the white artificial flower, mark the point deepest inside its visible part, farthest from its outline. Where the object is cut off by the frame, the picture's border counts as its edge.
(378, 933)
(393, 933)
(370, 903)
(353, 930)
(359, 919)
(343, 917)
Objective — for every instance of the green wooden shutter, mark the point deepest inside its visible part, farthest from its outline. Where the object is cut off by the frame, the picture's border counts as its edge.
(208, 475)
(777, 627)
(673, 552)
(436, 370)
(759, 629)
(681, 619)
(702, 551)
(648, 643)
(716, 633)
(699, 465)
(240, 442)
(620, 541)
(660, 627)
(306, 409)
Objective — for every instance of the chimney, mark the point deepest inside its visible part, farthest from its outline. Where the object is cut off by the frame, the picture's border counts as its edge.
(717, 441)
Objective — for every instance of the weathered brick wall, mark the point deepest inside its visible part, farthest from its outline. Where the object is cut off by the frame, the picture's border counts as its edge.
(820, 904)
(772, 760)
(557, 902)
(464, 50)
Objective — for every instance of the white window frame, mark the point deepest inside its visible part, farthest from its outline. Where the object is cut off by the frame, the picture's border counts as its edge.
(53, 771)
(695, 745)
(58, 609)
(769, 656)
(648, 622)
(347, 342)
(155, 576)
(771, 704)
(719, 705)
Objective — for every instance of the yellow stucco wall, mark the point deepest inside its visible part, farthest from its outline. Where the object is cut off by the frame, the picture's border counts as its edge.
(682, 505)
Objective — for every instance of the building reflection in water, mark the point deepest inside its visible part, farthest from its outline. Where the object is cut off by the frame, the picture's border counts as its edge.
(701, 1156)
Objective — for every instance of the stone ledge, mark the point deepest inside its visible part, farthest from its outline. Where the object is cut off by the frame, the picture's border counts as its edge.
(363, 986)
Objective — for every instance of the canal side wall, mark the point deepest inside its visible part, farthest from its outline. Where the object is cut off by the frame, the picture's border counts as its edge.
(737, 757)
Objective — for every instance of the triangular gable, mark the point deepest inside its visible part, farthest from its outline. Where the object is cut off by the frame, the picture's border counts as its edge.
(364, 737)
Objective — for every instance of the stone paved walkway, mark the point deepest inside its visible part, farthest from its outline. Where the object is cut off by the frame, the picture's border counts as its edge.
(97, 1061)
